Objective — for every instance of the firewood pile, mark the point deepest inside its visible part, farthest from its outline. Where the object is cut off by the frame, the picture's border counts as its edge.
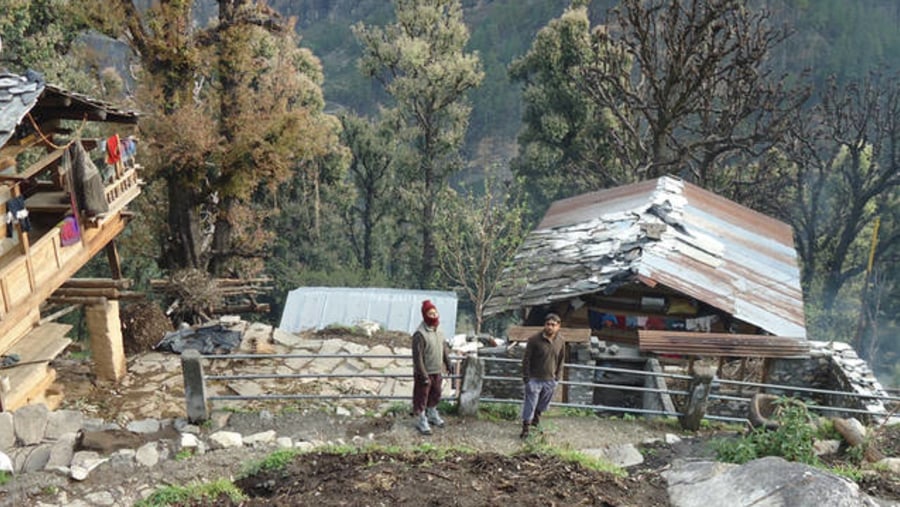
(193, 296)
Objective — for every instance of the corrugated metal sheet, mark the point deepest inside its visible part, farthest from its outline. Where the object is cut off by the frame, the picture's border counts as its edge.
(394, 309)
(669, 232)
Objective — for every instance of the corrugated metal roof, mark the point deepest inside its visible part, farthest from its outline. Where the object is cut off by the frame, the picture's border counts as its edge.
(668, 231)
(394, 309)
(20, 95)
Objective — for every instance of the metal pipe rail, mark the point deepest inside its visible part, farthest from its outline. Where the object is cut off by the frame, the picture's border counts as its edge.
(317, 375)
(717, 381)
(592, 384)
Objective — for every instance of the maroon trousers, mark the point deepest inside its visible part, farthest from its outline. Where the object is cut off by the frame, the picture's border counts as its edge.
(426, 394)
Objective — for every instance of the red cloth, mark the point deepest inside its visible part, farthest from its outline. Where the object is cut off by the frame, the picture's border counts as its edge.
(113, 152)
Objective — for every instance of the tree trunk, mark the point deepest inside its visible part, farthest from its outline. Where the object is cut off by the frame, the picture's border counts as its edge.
(222, 238)
(182, 246)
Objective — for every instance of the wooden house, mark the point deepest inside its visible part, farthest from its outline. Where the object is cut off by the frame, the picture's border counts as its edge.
(61, 210)
(665, 266)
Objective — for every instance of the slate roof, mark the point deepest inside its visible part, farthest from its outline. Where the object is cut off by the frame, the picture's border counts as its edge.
(18, 94)
(666, 232)
(21, 94)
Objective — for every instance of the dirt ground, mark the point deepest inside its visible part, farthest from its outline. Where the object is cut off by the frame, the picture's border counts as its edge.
(469, 462)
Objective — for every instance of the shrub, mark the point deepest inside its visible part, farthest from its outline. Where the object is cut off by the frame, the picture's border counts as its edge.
(792, 440)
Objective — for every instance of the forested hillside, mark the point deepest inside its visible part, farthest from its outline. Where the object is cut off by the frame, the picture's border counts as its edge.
(413, 143)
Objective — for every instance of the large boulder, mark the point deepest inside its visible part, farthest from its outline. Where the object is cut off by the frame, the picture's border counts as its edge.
(769, 481)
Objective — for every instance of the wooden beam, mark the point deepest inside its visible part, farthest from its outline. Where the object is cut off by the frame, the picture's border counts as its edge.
(570, 335)
(35, 168)
(115, 263)
(90, 283)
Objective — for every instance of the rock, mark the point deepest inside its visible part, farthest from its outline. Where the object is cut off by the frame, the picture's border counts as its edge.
(30, 422)
(284, 442)
(260, 439)
(6, 464)
(768, 481)
(188, 441)
(824, 447)
(672, 438)
(102, 498)
(226, 439)
(620, 455)
(122, 457)
(144, 426)
(7, 431)
(147, 455)
(62, 422)
(62, 451)
(851, 429)
(37, 459)
(82, 464)
(304, 446)
(892, 464)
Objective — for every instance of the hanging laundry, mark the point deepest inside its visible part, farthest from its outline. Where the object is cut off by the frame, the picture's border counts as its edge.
(69, 234)
(113, 150)
(16, 214)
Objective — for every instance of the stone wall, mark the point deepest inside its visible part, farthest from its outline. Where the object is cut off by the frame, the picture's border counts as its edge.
(832, 366)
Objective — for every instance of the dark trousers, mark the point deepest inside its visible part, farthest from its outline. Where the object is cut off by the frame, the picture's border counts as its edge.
(426, 394)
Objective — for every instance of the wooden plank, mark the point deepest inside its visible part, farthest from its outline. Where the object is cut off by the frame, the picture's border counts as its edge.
(29, 381)
(570, 335)
(51, 202)
(720, 344)
(35, 168)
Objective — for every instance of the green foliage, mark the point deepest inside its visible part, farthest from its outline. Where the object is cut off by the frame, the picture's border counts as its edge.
(421, 62)
(577, 412)
(277, 460)
(792, 440)
(193, 494)
(397, 408)
(499, 411)
(5, 477)
(184, 454)
(479, 231)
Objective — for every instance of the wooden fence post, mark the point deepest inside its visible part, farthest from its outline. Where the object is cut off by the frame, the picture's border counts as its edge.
(470, 388)
(696, 406)
(194, 387)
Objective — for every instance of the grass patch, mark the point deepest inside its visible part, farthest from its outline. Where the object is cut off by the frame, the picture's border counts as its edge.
(193, 494)
(277, 460)
(497, 412)
(183, 454)
(577, 412)
(398, 408)
(537, 444)
(5, 477)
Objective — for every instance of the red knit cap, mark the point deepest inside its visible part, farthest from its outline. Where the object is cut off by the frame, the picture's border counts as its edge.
(427, 305)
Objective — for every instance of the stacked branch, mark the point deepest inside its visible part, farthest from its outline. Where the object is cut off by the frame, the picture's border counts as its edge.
(194, 294)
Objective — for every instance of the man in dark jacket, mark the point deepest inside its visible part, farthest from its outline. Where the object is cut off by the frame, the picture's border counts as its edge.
(541, 370)
(430, 353)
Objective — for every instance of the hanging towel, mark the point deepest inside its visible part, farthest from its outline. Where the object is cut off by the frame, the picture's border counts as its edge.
(113, 151)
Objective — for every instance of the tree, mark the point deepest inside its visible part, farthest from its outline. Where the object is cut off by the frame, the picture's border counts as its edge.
(41, 35)
(563, 151)
(847, 156)
(421, 63)
(374, 151)
(236, 112)
(478, 237)
(684, 89)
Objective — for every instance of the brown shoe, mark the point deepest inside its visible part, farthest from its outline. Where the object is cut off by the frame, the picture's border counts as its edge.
(524, 433)
(536, 420)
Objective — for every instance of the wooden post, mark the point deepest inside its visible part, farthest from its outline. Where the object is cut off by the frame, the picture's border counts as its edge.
(696, 406)
(115, 264)
(472, 382)
(194, 388)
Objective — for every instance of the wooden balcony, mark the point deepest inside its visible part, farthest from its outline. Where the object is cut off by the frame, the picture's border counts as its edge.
(33, 267)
